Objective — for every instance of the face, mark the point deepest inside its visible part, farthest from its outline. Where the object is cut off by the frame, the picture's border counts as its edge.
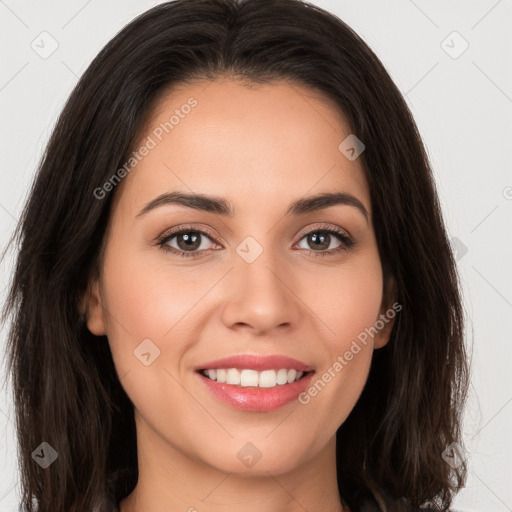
(268, 280)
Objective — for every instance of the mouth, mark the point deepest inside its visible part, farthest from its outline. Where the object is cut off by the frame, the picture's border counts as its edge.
(255, 382)
(240, 390)
(250, 378)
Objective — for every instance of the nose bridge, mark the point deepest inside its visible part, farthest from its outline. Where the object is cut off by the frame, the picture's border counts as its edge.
(258, 293)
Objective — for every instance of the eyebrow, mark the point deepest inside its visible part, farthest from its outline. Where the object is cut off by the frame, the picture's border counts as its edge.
(220, 206)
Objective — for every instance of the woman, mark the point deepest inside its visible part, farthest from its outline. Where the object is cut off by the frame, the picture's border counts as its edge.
(234, 286)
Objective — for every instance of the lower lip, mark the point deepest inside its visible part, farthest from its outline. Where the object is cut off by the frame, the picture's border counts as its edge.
(257, 399)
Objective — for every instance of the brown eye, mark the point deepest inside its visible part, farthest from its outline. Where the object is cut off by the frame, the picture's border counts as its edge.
(319, 240)
(189, 242)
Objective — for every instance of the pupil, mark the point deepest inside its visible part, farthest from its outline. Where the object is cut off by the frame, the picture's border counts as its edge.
(323, 237)
(191, 240)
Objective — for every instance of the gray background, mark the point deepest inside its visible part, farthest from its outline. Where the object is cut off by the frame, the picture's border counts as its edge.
(462, 103)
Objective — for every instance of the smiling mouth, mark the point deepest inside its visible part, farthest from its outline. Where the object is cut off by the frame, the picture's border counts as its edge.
(252, 378)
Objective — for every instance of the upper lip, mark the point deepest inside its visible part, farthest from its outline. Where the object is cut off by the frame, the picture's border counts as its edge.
(256, 362)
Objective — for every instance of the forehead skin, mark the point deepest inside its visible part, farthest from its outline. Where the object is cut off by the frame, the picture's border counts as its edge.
(269, 144)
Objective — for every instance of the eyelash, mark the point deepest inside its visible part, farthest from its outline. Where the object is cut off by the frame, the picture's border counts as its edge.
(346, 241)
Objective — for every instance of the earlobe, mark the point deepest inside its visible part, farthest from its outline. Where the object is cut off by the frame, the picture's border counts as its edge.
(388, 311)
(93, 310)
(383, 335)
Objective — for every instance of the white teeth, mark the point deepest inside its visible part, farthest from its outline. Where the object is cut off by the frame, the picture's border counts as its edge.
(249, 378)
(282, 376)
(268, 379)
(233, 377)
(245, 378)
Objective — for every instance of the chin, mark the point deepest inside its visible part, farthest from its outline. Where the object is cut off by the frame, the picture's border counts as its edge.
(250, 459)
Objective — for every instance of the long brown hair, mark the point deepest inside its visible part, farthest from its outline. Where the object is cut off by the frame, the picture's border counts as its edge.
(66, 390)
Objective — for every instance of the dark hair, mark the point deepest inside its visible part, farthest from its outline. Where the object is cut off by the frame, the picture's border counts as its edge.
(66, 390)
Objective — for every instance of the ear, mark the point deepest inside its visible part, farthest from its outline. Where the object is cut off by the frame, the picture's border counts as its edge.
(388, 311)
(93, 310)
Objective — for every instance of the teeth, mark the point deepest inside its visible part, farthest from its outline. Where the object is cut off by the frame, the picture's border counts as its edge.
(282, 376)
(246, 378)
(233, 377)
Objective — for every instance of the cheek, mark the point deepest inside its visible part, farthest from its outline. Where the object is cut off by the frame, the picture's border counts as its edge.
(155, 304)
(349, 304)
(347, 299)
(148, 299)
(145, 303)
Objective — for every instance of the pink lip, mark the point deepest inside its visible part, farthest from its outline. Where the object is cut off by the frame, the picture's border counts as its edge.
(257, 399)
(259, 363)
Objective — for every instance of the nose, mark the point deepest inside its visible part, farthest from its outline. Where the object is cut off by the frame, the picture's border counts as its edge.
(260, 296)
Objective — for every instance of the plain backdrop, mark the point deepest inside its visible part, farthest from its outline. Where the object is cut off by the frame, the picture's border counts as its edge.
(450, 59)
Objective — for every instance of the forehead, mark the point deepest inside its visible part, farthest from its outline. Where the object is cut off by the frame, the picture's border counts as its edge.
(251, 144)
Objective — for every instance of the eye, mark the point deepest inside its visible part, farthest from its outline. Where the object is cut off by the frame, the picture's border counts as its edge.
(322, 238)
(187, 240)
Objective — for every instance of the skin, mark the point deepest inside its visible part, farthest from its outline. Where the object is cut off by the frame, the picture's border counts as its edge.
(260, 147)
